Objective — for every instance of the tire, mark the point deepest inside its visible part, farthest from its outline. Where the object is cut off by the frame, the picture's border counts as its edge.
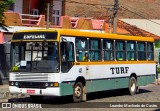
(132, 85)
(78, 92)
(36, 98)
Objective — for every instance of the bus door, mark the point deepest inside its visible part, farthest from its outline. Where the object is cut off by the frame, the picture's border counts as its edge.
(67, 56)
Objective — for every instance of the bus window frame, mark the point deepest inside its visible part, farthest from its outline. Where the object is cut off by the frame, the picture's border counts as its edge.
(135, 50)
(85, 56)
(112, 49)
(138, 51)
(96, 50)
(152, 51)
(124, 50)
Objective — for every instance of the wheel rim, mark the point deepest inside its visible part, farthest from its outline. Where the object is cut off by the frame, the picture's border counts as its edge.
(133, 85)
(78, 91)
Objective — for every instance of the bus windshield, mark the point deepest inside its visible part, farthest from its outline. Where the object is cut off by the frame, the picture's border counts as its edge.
(34, 57)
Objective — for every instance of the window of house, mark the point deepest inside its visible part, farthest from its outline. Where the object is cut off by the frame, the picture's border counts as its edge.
(82, 49)
(108, 50)
(11, 7)
(120, 50)
(141, 51)
(95, 50)
(150, 49)
(131, 51)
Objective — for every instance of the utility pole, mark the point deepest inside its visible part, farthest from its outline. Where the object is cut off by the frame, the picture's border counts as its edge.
(115, 14)
(110, 21)
(47, 22)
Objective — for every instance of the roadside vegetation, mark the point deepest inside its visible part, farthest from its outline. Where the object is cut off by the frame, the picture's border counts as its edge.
(3, 6)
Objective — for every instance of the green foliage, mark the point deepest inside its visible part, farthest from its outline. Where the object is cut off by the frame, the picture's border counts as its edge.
(157, 44)
(3, 6)
(158, 69)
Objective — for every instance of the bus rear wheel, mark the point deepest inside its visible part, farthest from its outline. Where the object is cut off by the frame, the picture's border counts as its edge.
(132, 85)
(78, 92)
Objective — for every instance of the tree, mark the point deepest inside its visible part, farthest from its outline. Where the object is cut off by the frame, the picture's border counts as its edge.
(3, 6)
(157, 44)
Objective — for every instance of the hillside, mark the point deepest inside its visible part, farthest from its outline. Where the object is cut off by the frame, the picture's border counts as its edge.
(127, 8)
(139, 9)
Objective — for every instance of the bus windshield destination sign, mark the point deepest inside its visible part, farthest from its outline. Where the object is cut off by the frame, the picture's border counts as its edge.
(35, 36)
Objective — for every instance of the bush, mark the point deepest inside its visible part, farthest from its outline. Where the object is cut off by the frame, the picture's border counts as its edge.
(158, 69)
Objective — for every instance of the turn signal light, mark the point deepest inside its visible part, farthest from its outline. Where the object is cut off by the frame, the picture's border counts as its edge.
(56, 84)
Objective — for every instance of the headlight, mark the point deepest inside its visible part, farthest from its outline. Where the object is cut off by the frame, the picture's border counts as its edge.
(12, 83)
(16, 83)
(46, 84)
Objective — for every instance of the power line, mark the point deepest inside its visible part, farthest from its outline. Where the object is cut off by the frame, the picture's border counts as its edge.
(138, 10)
(140, 15)
(70, 1)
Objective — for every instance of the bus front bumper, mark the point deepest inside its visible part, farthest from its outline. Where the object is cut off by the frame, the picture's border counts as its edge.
(51, 91)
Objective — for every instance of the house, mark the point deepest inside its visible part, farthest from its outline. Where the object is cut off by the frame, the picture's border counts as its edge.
(38, 7)
(87, 8)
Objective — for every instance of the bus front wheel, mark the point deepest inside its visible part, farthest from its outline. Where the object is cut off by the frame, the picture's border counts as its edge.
(78, 92)
(132, 85)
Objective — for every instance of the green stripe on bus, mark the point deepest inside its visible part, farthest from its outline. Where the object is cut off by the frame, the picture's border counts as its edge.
(101, 85)
(144, 80)
(105, 84)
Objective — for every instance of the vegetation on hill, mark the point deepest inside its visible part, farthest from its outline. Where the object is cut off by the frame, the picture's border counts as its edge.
(3, 6)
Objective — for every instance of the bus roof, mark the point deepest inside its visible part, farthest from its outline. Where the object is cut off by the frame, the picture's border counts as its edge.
(91, 34)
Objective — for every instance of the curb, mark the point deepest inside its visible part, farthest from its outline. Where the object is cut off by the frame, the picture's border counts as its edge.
(157, 82)
(7, 95)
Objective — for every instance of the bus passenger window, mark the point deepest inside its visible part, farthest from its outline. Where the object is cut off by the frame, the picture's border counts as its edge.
(67, 51)
(108, 50)
(120, 51)
(131, 51)
(150, 49)
(81, 49)
(95, 50)
(141, 51)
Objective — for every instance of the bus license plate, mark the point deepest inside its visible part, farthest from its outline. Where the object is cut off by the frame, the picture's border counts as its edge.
(30, 91)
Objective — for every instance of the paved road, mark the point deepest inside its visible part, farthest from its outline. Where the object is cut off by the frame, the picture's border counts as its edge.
(100, 100)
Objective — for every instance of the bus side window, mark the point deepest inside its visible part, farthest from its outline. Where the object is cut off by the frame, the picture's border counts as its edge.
(67, 51)
(95, 50)
(120, 50)
(108, 50)
(81, 49)
(131, 51)
(150, 53)
(141, 51)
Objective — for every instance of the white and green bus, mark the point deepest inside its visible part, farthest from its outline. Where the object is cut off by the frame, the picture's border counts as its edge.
(64, 62)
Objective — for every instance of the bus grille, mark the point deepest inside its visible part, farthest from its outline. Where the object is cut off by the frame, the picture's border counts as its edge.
(32, 77)
(31, 85)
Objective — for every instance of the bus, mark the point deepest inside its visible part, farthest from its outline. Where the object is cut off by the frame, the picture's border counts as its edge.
(61, 62)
